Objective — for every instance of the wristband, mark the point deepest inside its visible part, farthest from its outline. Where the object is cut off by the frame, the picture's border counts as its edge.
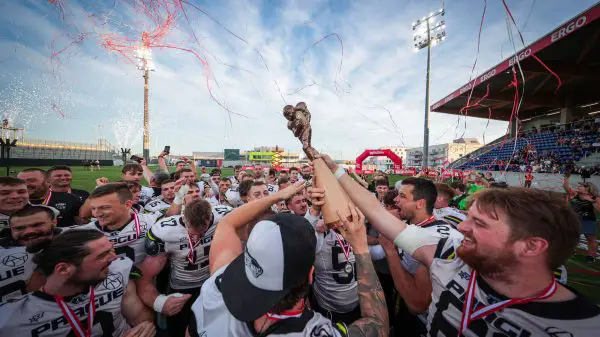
(414, 237)
(161, 299)
(339, 172)
(159, 303)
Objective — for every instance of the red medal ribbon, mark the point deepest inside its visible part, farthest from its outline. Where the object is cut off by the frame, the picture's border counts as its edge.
(346, 251)
(286, 314)
(426, 221)
(192, 253)
(47, 198)
(138, 227)
(72, 318)
(471, 313)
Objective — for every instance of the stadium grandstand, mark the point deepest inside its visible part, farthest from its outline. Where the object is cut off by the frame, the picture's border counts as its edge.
(31, 152)
(557, 124)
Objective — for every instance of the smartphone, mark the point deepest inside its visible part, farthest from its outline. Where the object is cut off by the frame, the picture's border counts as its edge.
(136, 158)
(167, 149)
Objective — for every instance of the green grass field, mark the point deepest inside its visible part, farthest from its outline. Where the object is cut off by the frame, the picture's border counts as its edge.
(582, 276)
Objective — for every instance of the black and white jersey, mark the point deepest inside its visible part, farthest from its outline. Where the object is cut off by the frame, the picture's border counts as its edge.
(81, 194)
(38, 314)
(409, 263)
(170, 236)
(4, 221)
(272, 188)
(16, 267)
(211, 318)
(146, 194)
(126, 240)
(157, 205)
(450, 215)
(334, 288)
(450, 277)
(66, 203)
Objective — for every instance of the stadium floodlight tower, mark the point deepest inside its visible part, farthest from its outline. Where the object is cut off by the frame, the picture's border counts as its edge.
(144, 56)
(428, 33)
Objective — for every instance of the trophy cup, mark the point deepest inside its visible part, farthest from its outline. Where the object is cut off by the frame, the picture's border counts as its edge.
(335, 197)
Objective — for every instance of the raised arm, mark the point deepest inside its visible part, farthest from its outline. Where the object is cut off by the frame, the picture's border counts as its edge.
(146, 171)
(180, 191)
(418, 242)
(192, 166)
(384, 222)
(373, 309)
(162, 164)
(359, 179)
(226, 244)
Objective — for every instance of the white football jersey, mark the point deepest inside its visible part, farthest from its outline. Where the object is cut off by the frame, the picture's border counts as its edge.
(171, 237)
(409, 263)
(335, 289)
(233, 197)
(450, 215)
(126, 240)
(211, 318)
(157, 205)
(450, 277)
(146, 194)
(272, 188)
(38, 314)
(16, 267)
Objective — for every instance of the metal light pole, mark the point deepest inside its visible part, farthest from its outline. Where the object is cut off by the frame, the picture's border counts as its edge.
(144, 56)
(429, 37)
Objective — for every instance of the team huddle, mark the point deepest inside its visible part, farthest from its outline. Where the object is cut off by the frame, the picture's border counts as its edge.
(198, 254)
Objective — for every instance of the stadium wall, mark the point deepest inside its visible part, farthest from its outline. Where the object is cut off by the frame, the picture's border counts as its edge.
(544, 181)
(30, 162)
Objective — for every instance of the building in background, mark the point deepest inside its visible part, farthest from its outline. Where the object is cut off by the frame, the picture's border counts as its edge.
(386, 163)
(208, 159)
(264, 155)
(442, 154)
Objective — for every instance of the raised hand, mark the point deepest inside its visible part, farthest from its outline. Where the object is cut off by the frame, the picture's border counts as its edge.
(353, 230)
(102, 181)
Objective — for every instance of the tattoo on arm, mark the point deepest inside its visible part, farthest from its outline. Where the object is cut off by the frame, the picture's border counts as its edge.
(374, 321)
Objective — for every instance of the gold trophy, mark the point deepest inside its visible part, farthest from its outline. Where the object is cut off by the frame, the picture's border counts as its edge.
(336, 199)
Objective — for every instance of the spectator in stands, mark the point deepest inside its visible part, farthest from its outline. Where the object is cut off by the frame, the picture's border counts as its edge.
(13, 197)
(60, 178)
(40, 193)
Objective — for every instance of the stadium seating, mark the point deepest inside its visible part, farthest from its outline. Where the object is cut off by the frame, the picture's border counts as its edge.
(499, 154)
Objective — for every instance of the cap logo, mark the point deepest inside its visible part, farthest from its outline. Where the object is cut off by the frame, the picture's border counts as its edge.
(252, 264)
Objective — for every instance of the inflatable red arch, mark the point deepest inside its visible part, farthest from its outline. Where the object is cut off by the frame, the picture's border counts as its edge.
(379, 153)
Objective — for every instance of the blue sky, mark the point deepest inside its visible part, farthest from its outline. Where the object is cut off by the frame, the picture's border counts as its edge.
(87, 91)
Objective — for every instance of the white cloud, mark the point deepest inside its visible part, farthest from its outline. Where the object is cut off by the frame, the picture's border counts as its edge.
(380, 73)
